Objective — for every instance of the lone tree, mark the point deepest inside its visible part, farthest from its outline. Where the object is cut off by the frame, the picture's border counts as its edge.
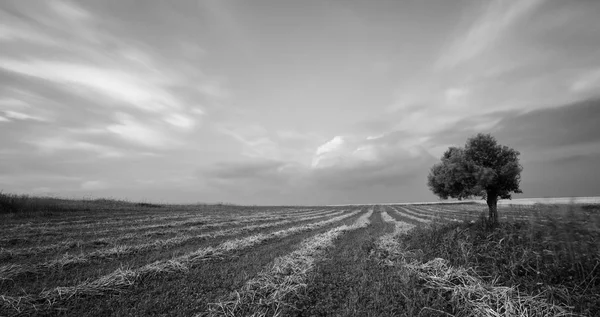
(482, 168)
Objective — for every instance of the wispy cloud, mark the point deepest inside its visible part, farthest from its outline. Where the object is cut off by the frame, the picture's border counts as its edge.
(589, 81)
(69, 10)
(496, 19)
(94, 185)
(137, 132)
(456, 96)
(254, 138)
(21, 116)
(165, 100)
(56, 144)
(12, 103)
(328, 150)
(131, 90)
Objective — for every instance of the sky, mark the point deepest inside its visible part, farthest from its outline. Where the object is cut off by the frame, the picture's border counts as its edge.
(292, 102)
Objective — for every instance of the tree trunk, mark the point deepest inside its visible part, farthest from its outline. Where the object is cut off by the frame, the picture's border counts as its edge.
(492, 202)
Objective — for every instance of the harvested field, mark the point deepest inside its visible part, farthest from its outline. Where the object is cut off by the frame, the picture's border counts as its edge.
(377, 260)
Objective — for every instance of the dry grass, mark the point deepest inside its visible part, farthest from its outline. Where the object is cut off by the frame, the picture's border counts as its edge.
(123, 278)
(409, 215)
(92, 223)
(417, 213)
(109, 229)
(472, 297)
(11, 271)
(540, 268)
(387, 242)
(76, 243)
(133, 230)
(269, 293)
(442, 215)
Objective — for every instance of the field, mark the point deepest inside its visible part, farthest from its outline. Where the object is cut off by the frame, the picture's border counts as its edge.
(112, 258)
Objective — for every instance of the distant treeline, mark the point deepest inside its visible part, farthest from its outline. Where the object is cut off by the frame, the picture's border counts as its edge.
(12, 203)
(26, 204)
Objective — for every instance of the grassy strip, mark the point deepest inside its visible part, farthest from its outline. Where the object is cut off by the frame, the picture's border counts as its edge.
(347, 282)
(53, 231)
(443, 215)
(269, 293)
(124, 278)
(417, 213)
(70, 232)
(11, 271)
(409, 215)
(557, 260)
(7, 254)
(188, 294)
(467, 270)
(396, 215)
(108, 228)
(147, 214)
(133, 232)
(93, 221)
(470, 296)
(387, 241)
(540, 213)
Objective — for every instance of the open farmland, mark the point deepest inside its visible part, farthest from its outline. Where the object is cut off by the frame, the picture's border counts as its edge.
(125, 259)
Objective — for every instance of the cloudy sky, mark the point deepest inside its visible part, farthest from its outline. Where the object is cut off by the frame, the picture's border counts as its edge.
(295, 102)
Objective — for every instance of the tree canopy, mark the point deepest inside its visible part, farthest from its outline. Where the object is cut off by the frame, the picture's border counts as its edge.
(482, 168)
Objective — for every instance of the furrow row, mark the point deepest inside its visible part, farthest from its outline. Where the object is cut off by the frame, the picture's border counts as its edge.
(267, 293)
(127, 224)
(123, 278)
(409, 215)
(69, 244)
(388, 242)
(11, 271)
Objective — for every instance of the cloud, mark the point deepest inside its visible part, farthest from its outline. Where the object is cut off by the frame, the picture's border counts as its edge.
(214, 89)
(113, 84)
(78, 64)
(249, 170)
(69, 10)
(588, 81)
(365, 153)
(137, 132)
(123, 95)
(456, 96)
(180, 120)
(21, 116)
(94, 185)
(292, 135)
(252, 179)
(353, 162)
(327, 151)
(11, 29)
(486, 30)
(374, 166)
(330, 145)
(567, 125)
(26, 181)
(375, 137)
(255, 139)
(55, 144)
(348, 164)
(11, 103)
